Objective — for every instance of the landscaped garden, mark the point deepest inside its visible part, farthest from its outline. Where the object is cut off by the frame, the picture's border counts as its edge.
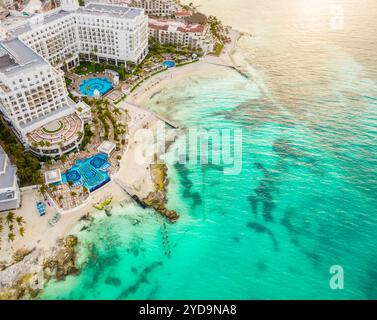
(28, 166)
(87, 67)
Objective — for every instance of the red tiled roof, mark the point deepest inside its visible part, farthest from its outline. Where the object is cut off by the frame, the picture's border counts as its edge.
(197, 28)
(158, 27)
(183, 14)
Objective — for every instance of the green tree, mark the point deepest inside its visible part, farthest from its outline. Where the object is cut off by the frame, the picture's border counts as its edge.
(43, 189)
(11, 236)
(10, 218)
(22, 231)
(20, 220)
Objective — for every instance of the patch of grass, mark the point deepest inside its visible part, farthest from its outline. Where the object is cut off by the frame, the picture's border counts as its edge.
(86, 67)
(53, 131)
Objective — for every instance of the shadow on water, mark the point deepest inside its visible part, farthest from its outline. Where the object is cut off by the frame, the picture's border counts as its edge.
(258, 228)
(142, 279)
(262, 267)
(99, 262)
(286, 221)
(263, 195)
(113, 281)
(187, 185)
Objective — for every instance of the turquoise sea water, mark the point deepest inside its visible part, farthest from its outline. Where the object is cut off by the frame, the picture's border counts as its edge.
(306, 198)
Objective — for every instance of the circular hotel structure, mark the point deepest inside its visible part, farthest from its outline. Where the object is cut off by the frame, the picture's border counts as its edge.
(57, 137)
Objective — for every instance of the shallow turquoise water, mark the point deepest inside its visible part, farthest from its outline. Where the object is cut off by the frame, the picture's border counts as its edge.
(298, 207)
(307, 195)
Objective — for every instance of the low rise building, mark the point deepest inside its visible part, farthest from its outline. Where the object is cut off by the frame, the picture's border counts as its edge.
(179, 33)
(10, 197)
(160, 8)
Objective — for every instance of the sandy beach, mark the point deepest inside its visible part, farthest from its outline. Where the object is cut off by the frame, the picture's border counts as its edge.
(39, 234)
(205, 65)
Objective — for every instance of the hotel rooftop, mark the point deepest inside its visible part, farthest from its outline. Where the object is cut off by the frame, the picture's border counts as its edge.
(97, 9)
(111, 10)
(16, 57)
(9, 192)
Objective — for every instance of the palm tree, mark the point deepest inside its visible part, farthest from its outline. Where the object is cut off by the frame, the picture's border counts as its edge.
(22, 231)
(10, 217)
(11, 227)
(106, 103)
(20, 220)
(43, 189)
(1, 228)
(11, 236)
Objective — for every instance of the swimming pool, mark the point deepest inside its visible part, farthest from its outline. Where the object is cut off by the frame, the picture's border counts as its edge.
(90, 172)
(103, 85)
(168, 63)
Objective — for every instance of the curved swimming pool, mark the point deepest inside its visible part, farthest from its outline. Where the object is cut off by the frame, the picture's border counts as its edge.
(168, 63)
(87, 86)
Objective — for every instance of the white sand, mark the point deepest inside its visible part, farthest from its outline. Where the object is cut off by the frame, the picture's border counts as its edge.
(205, 66)
(39, 234)
(136, 176)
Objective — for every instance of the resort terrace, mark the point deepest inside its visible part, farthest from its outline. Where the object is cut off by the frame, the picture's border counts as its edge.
(57, 137)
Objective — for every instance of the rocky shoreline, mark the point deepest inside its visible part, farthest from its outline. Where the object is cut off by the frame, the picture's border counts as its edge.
(29, 270)
(157, 199)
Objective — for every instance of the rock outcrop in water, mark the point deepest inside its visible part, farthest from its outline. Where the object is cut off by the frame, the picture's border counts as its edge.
(157, 199)
(63, 262)
(25, 276)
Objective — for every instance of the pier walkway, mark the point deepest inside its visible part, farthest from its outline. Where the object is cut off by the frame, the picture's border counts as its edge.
(167, 121)
(130, 193)
(236, 68)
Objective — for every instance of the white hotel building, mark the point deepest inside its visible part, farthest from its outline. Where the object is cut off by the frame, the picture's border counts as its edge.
(160, 8)
(9, 190)
(33, 95)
